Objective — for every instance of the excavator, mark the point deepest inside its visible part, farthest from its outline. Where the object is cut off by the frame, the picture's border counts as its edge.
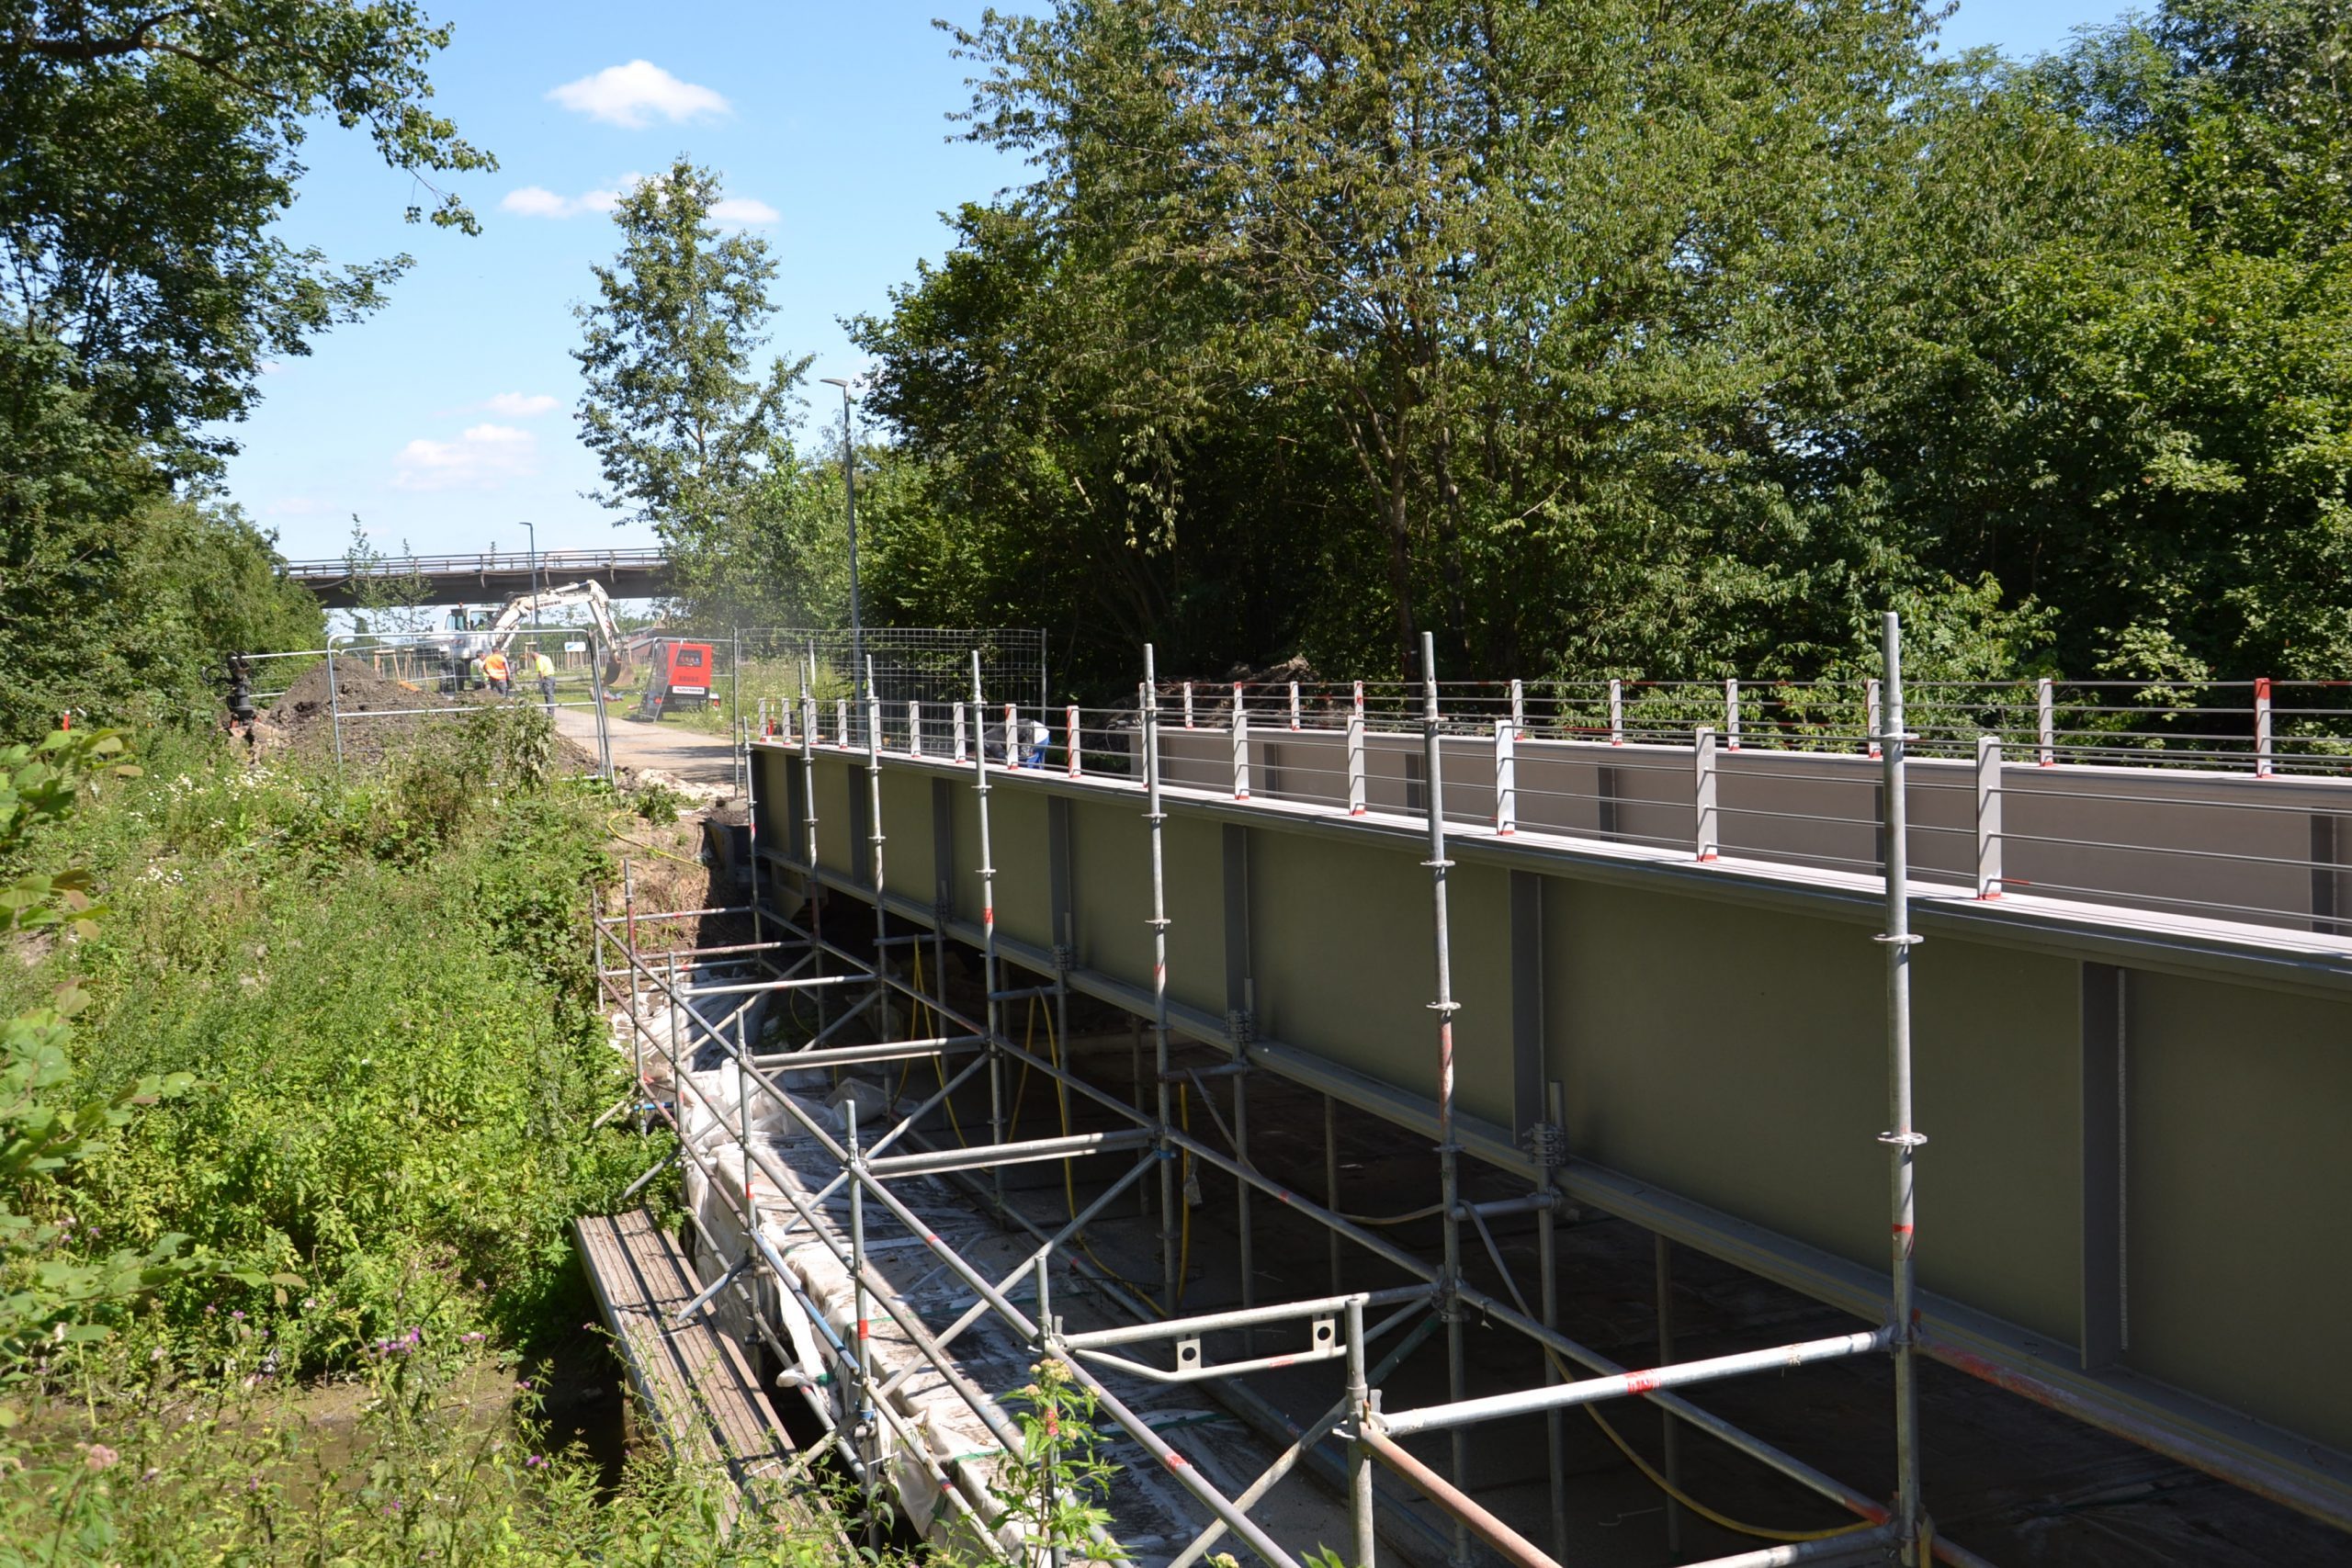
(474, 641)
(678, 671)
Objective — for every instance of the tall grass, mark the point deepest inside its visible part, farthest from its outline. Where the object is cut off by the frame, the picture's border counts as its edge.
(383, 990)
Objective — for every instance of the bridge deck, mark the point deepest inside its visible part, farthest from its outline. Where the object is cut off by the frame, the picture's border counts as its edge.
(710, 1407)
(2134, 1107)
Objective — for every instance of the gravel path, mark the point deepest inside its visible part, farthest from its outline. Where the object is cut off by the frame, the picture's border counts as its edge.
(682, 753)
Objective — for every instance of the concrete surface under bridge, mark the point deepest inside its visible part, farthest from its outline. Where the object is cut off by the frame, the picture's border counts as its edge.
(2128, 1205)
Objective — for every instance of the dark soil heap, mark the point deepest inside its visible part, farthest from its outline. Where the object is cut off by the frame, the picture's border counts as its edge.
(303, 715)
(377, 713)
(357, 689)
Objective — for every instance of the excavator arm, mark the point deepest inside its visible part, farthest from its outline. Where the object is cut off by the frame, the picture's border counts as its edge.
(526, 606)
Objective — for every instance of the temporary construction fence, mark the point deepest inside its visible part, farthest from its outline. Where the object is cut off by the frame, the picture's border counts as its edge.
(422, 662)
(789, 1184)
(751, 670)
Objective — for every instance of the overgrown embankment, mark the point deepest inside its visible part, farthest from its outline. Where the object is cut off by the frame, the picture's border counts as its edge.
(381, 990)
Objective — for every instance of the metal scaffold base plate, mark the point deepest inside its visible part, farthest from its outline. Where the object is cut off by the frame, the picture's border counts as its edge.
(693, 1380)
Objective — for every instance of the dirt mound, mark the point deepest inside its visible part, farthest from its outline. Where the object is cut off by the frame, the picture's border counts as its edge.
(1267, 692)
(357, 689)
(378, 714)
(303, 716)
(1295, 668)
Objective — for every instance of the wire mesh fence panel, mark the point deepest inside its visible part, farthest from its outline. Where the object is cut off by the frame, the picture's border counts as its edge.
(927, 665)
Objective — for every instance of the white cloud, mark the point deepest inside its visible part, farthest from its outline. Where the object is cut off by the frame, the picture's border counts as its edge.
(520, 405)
(629, 95)
(482, 457)
(744, 210)
(537, 201)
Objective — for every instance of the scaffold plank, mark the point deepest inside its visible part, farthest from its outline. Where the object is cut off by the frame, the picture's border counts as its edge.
(702, 1394)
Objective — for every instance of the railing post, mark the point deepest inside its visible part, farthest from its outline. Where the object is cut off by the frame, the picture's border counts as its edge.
(2262, 760)
(841, 722)
(962, 751)
(1706, 838)
(1988, 817)
(1870, 715)
(1012, 735)
(914, 729)
(1355, 762)
(1240, 746)
(1293, 704)
(1188, 704)
(2045, 708)
(1616, 713)
(1071, 741)
(1730, 715)
(1506, 781)
(1517, 710)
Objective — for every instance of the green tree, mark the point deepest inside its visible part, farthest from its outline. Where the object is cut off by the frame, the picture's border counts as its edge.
(127, 620)
(2110, 375)
(1609, 337)
(150, 151)
(693, 435)
(1471, 316)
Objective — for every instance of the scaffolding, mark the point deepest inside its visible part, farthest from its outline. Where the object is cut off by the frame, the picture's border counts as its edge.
(770, 1161)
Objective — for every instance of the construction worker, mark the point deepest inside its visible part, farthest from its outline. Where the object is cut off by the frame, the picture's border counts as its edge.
(494, 668)
(475, 679)
(544, 667)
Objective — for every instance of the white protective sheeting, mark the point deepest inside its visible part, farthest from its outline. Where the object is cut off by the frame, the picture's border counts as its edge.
(933, 1436)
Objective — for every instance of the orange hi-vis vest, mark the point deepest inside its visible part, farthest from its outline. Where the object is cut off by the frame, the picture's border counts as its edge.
(494, 666)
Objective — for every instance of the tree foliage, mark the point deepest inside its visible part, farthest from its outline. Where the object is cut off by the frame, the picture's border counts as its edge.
(147, 152)
(1616, 336)
(693, 435)
(151, 148)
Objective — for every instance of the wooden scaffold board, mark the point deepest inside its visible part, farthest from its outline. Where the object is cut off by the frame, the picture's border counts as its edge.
(693, 1380)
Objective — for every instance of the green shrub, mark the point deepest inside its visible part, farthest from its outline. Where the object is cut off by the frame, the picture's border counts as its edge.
(382, 993)
(433, 1454)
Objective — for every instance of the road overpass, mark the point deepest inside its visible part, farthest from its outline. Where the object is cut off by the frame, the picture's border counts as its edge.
(483, 577)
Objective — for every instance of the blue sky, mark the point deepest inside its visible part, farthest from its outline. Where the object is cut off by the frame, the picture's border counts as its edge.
(446, 419)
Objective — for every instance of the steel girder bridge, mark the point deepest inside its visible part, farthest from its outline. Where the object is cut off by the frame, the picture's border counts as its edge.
(2128, 1212)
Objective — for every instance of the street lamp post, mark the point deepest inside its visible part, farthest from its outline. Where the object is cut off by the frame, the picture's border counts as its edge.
(849, 486)
(531, 532)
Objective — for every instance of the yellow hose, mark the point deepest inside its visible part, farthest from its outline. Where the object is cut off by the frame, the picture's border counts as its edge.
(648, 849)
(1761, 1532)
(1069, 1187)
(931, 1019)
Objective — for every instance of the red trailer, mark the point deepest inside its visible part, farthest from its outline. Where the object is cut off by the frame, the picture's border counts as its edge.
(677, 672)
